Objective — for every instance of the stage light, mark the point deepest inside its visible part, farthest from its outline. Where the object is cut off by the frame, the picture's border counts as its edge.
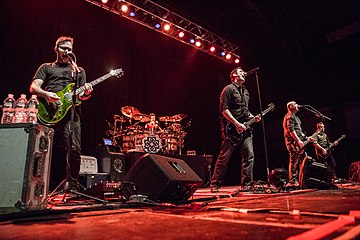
(228, 56)
(237, 60)
(222, 53)
(157, 25)
(124, 8)
(192, 41)
(104, 1)
(212, 49)
(198, 43)
(167, 27)
(181, 34)
(132, 14)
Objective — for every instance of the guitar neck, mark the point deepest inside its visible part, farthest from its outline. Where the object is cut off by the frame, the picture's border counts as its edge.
(93, 83)
(252, 120)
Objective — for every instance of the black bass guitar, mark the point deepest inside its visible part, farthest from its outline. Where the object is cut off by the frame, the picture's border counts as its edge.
(51, 113)
(235, 136)
(328, 150)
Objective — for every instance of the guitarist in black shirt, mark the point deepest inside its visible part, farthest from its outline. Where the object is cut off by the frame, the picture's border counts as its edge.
(323, 150)
(234, 101)
(49, 79)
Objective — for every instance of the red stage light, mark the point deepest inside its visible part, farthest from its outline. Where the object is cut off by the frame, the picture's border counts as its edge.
(167, 27)
(181, 34)
(198, 43)
(212, 49)
(124, 8)
(104, 1)
(237, 60)
(228, 56)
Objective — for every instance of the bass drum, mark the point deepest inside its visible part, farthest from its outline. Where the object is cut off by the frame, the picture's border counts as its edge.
(151, 143)
(127, 142)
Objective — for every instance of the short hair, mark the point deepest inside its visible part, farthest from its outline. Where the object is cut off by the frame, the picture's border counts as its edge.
(61, 40)
(290, 104)
(232, 73)
(319, 123)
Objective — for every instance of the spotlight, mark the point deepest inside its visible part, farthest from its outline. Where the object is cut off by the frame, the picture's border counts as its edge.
(132, 14)
(192, 41)
(167, 27)
(198, 43)
(212, 49)
(222, 53)
(228, 56)
(124, 8)
(181, 34)
(157, 26)
(104, 1)
(237, 60)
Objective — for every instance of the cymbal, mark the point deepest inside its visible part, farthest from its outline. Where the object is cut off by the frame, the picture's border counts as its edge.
(141, 117)
(119, 118)
(165, 119)
(129, 111)
(179, 117)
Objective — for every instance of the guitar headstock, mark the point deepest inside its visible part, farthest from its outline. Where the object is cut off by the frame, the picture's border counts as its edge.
(271, 106)
(117, 72)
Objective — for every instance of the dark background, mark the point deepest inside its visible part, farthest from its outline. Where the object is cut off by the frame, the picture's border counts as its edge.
(289, 41)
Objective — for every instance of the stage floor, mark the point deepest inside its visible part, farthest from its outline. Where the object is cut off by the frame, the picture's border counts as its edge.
(316, 214)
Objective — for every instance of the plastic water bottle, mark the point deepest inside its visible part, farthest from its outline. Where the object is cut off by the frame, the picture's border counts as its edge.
(32, 109)
(20, 111)
(8, 109)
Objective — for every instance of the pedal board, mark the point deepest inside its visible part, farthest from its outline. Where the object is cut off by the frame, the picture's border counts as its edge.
(105, 190)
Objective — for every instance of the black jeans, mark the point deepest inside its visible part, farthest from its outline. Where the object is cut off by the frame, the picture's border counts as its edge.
(226, 150)
(60, 162)
(295, 159)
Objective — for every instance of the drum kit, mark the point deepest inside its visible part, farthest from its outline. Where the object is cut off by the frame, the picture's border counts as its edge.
(134, 131)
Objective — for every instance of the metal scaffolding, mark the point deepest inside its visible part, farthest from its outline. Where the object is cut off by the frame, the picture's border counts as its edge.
(146, 12)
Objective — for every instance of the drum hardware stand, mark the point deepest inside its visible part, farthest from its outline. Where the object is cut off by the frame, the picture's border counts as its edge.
(66, 182)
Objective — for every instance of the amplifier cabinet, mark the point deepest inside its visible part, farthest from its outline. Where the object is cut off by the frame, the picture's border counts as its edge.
(25, 159)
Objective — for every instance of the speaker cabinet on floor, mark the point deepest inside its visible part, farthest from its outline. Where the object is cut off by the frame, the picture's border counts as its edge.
(162, 178)
(25, 158)
(313, 174)
(354, 172)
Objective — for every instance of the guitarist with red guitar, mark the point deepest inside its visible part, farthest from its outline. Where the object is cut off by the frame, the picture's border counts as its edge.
(323, 148)
(295, 141)
(49, 79)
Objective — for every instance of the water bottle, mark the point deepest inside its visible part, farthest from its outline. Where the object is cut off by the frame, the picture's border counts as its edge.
(8, 109)
(32, 109)
(20, 111)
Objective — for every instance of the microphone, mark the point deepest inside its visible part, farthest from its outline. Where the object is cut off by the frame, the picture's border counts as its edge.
(302, 106)
(251, 71)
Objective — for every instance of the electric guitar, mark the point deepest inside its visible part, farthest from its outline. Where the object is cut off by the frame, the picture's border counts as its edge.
(51, 113)
(235, 136)
(328, 150)
(299, 149)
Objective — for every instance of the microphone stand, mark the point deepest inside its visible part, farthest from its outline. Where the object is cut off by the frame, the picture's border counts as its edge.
(67, 186)
(262, 121)
(316, 112)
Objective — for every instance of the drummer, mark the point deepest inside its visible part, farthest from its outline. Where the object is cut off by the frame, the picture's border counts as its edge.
(153, 125)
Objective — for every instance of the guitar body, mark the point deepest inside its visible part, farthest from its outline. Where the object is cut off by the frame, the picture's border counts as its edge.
(234, 135)
(51, 113)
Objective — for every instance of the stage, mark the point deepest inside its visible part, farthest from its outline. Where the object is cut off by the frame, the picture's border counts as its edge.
(229, 214)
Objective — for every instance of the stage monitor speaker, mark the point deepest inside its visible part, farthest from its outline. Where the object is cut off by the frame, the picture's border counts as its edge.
(354, 172)
(162, 178)
(313, 174)
(25, 159)
(112, 163)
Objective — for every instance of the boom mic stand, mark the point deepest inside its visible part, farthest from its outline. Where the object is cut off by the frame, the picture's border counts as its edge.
(66, 182)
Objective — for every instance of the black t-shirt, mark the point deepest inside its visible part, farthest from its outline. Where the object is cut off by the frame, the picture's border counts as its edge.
(235, 98)
(291, 122)
(57, 76)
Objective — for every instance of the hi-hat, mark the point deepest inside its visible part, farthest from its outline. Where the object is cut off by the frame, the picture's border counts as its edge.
(129, 111)
(141, 117)
(166, 119)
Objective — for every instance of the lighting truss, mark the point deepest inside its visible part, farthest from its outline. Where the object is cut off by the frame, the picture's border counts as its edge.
(146, 11)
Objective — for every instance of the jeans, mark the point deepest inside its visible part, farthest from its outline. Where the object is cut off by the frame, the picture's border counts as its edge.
(247, 157)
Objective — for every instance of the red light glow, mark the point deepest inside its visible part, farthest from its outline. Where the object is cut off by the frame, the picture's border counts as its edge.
(228, 56)
(124, 8)
(212, 49)
(104, 1)
(181, 34)
(167, 27)
(198, 43)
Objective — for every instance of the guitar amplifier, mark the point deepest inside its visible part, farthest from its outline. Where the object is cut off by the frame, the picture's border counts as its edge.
(25, 159)
(313, 174)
